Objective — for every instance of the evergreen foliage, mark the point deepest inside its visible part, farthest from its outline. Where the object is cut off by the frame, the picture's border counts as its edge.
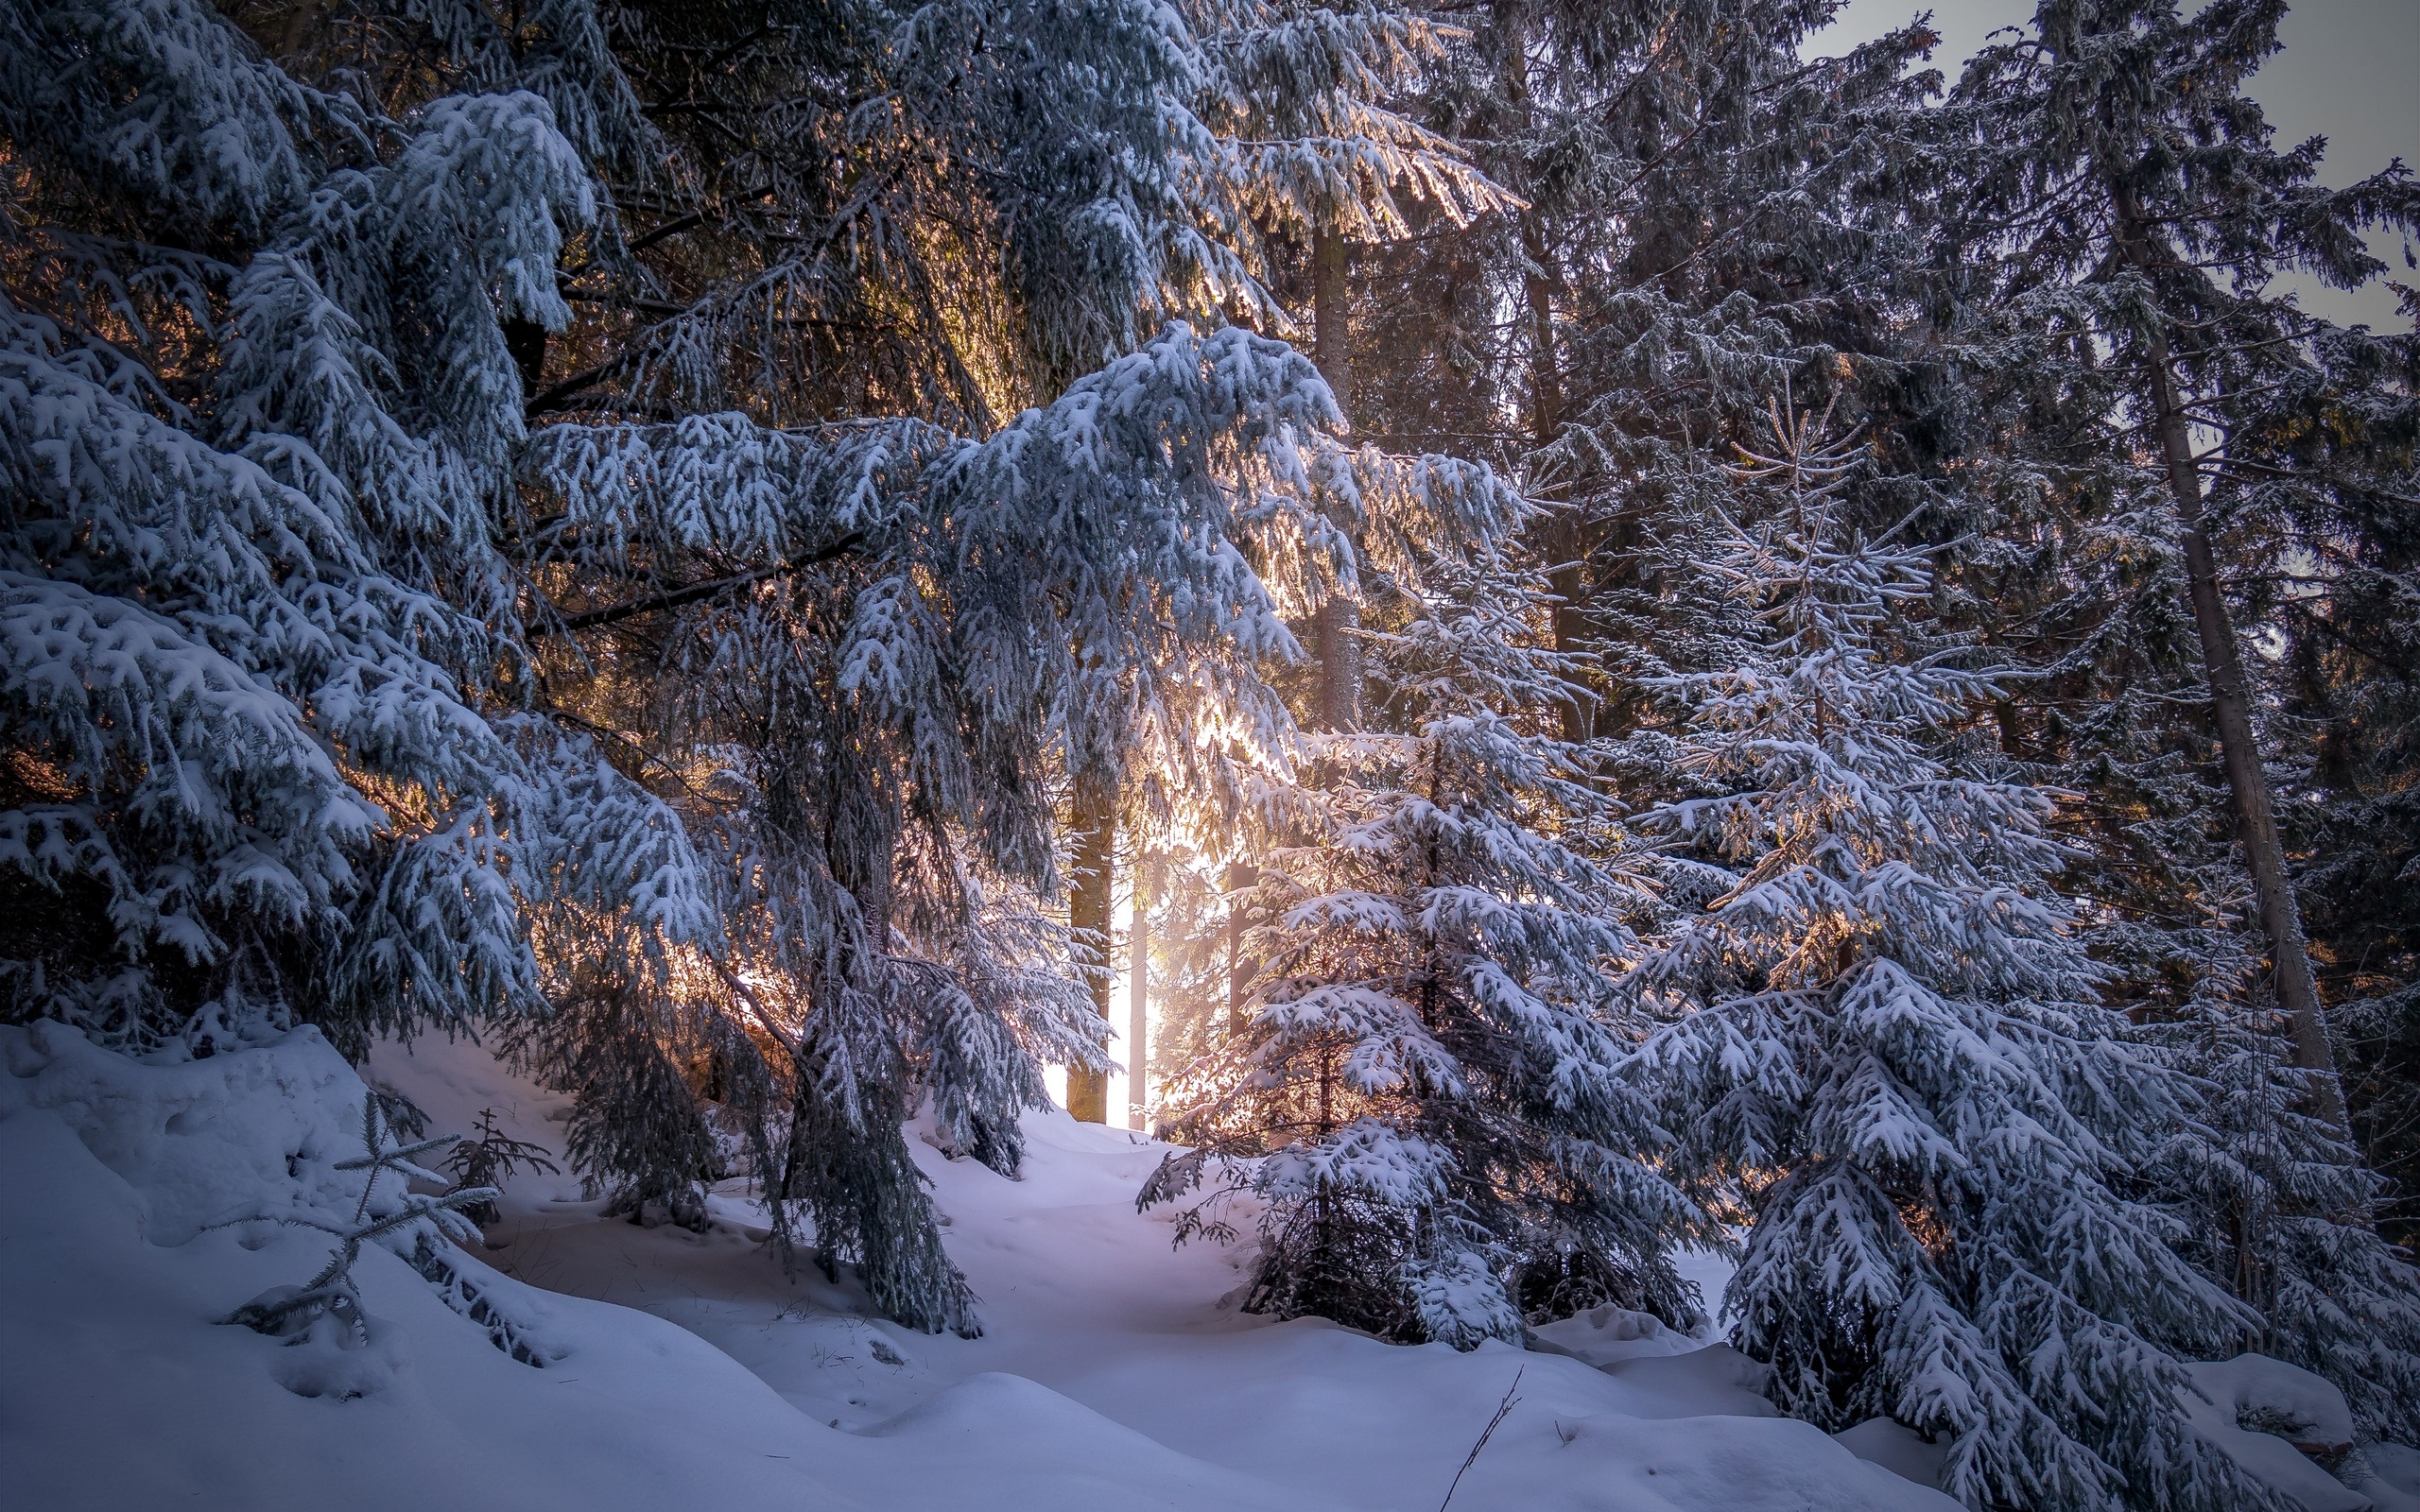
(1887, 1038)
(672, 533)
(2269, 1201)
(1705, 215)
(259, 423)
(2116, 217)
(484, 584)
(1427, 1058)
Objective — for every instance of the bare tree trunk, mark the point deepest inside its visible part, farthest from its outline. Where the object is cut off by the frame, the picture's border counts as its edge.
(1239, 971)
(1339, 651)
(1139, 997)
(299, 19)
(1088, 909)
(1561, 544)
(2231, 709)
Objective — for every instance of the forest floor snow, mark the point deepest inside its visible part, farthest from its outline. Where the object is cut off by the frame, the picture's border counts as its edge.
(1114, 1370)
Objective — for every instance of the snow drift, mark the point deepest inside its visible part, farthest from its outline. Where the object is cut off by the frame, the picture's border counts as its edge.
(672, 1366)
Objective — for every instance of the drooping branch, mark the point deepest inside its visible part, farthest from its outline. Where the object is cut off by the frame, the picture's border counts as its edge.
(692, 593)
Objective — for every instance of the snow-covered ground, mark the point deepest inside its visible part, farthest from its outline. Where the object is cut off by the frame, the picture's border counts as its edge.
(1115, 1372)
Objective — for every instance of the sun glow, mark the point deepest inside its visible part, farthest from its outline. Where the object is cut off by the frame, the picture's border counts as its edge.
(1126, 1102)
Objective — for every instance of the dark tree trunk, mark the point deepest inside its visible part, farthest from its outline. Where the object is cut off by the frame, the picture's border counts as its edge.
(1088, 909)
(1339, 651)
(2231, 710)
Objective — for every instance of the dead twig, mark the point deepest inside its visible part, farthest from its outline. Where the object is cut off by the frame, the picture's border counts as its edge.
(1503, 1410)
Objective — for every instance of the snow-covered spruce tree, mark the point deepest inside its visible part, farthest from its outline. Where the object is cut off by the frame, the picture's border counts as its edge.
(1426, 1061)
(2157, 298)
(2260, 1187)
(258, 424)
(2118, 221)
(882, 724)
(2266, 1198)
(1887, 1042)
(317, 656)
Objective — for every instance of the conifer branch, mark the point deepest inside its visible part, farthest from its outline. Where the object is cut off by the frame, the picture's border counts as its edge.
(693, 592)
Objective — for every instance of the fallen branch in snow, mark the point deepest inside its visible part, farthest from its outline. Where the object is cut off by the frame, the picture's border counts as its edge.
(1503, 1410)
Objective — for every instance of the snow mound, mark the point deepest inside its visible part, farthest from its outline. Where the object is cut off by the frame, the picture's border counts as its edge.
(1029, 1446)
(1896, 1448)
(2271, 1397)
(2398, 1466)
(123, 1389)
(203, 1142)
(1609, 1335)
(2392, 1478)
(2275, 1420)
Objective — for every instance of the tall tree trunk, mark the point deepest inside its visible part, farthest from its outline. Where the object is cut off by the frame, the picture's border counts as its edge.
(1088, 909)
(1563, 545)
(299, 19)
(1340, 651)
(1139, 997)
(1331, 305)
(1240, 972)
(2231, 709)
(1562, 542)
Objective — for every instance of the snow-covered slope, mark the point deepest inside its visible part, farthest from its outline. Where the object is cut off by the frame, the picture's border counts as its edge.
(1115, 1372)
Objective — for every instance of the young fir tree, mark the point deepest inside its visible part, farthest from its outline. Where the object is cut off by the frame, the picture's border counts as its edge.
(2116, 220)
(1424, 1054)
(1888, 1045)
